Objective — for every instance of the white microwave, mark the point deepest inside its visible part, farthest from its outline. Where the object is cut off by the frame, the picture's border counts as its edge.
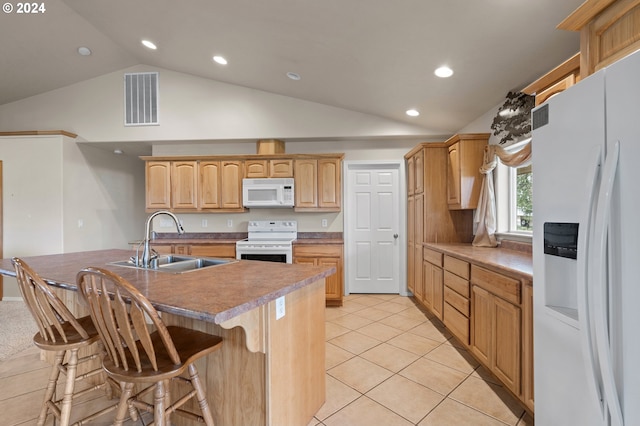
(267, 192)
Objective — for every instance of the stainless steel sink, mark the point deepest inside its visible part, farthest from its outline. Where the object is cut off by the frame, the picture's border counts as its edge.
(176, 264)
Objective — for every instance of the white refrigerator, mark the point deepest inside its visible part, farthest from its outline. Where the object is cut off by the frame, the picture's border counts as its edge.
(586, 251)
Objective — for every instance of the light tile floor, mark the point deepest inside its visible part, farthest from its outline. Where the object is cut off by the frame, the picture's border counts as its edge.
(389, 363)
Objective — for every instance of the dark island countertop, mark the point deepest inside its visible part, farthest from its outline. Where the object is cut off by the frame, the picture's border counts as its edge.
(510, 261)
(214, 294)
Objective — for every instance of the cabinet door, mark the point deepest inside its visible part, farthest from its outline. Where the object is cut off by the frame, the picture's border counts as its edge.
(507, 329)
(427, 286)
(231, 184)
(329, 183)
(184, 184)
(527, 345)
(410, 243)
(256, 168)
(411, 175)
(281, 168)
(438, 292)
(209, 184)
(419, 175)
(306, 187)
(333, 283)
(453, 175)
(481, 324)
(419, 219)
(158, 184)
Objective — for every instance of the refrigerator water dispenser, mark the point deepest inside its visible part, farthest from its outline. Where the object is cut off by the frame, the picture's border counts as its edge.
(561, 251)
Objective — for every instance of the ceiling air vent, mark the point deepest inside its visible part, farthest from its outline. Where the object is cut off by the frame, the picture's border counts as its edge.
(141, 99)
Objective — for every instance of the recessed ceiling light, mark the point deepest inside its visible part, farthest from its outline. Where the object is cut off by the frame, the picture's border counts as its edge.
(443, 72)
(149, 44)
(84, 51)
(413, 112)
(293, 76)
(118, 151)
(220, 60)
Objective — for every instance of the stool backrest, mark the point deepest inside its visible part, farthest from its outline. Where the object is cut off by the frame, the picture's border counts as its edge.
(120, 313)
(49, 312)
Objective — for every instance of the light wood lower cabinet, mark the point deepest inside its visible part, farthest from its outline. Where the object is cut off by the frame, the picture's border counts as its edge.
(489, 312)
(496, 335)
(219, 250)
(324, 255)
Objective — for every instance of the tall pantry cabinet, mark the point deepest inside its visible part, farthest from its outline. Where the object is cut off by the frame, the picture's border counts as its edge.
(433, 174)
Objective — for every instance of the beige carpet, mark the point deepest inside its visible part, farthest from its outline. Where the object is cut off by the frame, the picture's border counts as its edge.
(17, 328)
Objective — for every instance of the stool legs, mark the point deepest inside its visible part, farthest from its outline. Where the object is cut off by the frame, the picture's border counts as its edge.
(49, 394)
(200, 395)
(67, 398)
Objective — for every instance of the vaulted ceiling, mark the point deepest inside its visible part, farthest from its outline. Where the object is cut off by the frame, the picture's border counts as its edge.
(371, 56)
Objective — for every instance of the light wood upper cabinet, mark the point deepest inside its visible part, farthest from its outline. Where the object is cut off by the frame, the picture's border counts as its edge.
(281, 168)
(231, 174)
(274, 168)
(555, 81)
(214, 183)
(466, 152)
(257, 168)
(318, 184)
(193, 186)
(329, 183)
(306, 184)
(209, 184)
(184, 184)
(158, 188)
(609, 30)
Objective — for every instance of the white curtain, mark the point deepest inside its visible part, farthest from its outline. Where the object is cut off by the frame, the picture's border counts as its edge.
(485, 216)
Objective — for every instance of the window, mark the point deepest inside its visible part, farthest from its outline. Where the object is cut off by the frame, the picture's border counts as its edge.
(514, 211)
(521, 210)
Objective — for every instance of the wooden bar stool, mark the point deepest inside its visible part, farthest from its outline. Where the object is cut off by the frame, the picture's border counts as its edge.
(135, 355)
(64, 334)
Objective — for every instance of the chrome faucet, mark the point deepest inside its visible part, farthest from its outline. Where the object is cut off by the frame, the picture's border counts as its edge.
(146, 251)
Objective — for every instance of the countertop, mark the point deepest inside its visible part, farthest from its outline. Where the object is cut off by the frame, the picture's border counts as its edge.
(510, 261)
(215, 294)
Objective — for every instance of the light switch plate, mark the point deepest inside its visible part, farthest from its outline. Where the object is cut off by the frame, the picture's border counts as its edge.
(279, 307)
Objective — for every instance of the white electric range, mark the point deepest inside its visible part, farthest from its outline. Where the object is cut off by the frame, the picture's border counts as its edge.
(269, 240)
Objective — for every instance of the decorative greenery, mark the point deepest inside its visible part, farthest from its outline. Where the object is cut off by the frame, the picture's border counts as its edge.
(524, 200)
(513, 121)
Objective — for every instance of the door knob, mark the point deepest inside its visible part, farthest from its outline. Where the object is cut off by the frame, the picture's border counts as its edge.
(395, 236)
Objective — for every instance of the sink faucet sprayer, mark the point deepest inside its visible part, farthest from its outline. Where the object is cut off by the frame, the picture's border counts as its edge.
(146, 251)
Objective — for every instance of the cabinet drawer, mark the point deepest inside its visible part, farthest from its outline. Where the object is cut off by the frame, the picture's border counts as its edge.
(456, 283)
(217, 250)
(457, 301)
(498, 284)
(432, 256)
(457, 323)
(457, 266)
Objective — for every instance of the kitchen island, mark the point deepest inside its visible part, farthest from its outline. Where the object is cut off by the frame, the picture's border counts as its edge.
(270, 371)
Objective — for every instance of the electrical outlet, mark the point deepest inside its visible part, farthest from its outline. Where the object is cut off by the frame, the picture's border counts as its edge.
(324, 223)
(229, 223)
(280, 307)
(80, 223)
(205, 223)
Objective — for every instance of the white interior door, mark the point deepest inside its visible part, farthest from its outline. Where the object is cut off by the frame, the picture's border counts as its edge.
(373, 228)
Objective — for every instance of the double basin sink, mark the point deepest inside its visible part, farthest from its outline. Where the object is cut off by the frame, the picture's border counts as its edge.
(176, 264)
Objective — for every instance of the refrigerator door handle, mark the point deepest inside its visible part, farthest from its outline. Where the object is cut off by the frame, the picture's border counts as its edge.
(598, 272)
(585, 258)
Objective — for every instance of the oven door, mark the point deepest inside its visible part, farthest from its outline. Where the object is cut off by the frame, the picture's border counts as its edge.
(283, 255)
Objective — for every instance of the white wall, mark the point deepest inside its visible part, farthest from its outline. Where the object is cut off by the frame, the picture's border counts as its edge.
(50, 183)
(192, 108)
